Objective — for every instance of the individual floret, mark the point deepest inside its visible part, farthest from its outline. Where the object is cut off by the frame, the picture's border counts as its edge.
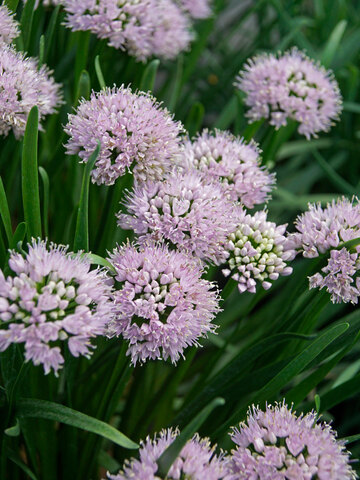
(236, 164)
(185, 210)
(278, 445)
(52, 298)
(9, 27)
(196, 461)
(134, 131)
(290, 87)
(22, 86)
(162, 305)
(257, 255)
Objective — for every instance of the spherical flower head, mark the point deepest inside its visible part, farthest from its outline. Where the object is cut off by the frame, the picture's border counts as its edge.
(134, 131)
(144, 29)
(236, 164)
(290, 86)
(196, 8)
(321, 229)
(171, 33)
(9, 27)
(196, 461)
(256, 252)
(52, 297)
(127, 25)
(22, 86)
(162, 305)
(278, 445)
(185, 210)
(339, 275)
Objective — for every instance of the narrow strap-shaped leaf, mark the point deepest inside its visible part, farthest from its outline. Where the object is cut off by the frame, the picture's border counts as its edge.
(177, 83)
(195, 118)
(49, 35)
(12, 4)
(82, 48)
(5, 213)
(41, 50)
(19, 235)
(333, 43)
(332, 175)
(99, 73)
(168, 457)
(35, 408)
(84, 87)
(148, 78)
(292, 369)
(81, 240)
(29, 175)
(46, 189)
(97, 260)
(17, 460)
(26, 22)
(351, 439)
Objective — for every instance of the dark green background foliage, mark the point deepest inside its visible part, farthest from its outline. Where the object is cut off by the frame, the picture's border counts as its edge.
(288, 341)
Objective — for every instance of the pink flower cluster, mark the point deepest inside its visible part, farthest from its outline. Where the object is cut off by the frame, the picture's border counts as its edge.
(276, 444)
(133, 130)
(22, 85)
(290, 87)
(326, 230)
(162, 305)
(151, 27)
(51, 298)
(9, 27)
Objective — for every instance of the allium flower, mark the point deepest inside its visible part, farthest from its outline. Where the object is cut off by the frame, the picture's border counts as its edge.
(276, 444)
(162, 305)
(196, 8)
(191, 214)
(52, 297)
(323, 231)
(340, 270)
(235, 163)
(196, 461)
(146, 28)
(256, 249)
(8, 25)
(290, 86)
(134, 132)
(23, 85)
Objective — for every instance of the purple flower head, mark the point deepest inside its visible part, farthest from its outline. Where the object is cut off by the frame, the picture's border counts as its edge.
(23, 85)
(235, 163)
(256, 249)
(290, 86)
(338, 279)
(8, 25)
(51, 297)
(146, 28)
(324, 231)
(185, 210)
(278, 445)
(162, 305)
(196, 8)
(134, 132)
(196, 461)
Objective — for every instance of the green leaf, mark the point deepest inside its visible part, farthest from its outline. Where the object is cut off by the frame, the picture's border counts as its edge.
(333, 43)
(81, 240)
(351, 107)
(13, 431)
(99, 73)
(317, 402)
(351, 439)
(97, 260)
(168, 457)
(108, 462)
(12, 4)
(26, 22)
(148, 78)
(46, 189)
(5, 213)
(17, 460)
(228, 114)
(292, 369)
(195, 118)
(343, 392)
(19, 235)
(29, 175)
(332, 175)
(41, 50)
(50, 32)
(177, 83)
(84, 87)
(82, 40)
(35, 408)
